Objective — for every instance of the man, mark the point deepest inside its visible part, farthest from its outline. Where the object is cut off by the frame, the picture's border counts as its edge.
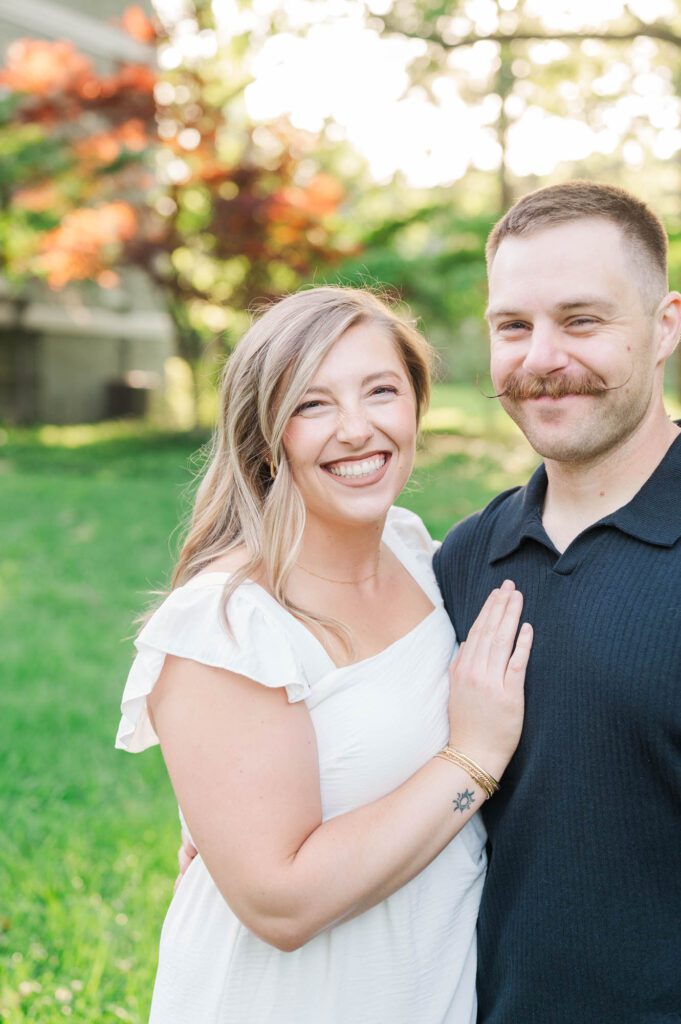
(581, 914)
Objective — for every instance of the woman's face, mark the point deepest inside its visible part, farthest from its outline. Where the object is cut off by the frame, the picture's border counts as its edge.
(352, 440)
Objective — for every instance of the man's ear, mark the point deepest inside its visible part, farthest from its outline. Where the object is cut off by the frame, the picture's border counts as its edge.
(668, 325)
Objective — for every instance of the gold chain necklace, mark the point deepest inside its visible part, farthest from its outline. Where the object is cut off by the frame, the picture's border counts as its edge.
(344, 582)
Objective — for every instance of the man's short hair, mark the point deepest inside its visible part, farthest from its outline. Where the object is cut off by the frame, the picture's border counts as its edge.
(578, 200)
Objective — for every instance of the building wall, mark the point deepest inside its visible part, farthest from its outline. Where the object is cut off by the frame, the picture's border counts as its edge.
(75, 373)
(81, 340)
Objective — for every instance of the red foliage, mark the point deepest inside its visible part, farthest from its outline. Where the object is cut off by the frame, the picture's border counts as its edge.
(46, 69)
(137, 77)
(319, 198)
(251, 210)
(104, 147)
(37, 198)
(79, 249)
(136, 23)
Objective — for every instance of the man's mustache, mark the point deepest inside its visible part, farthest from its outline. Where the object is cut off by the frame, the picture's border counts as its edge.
(520, 387)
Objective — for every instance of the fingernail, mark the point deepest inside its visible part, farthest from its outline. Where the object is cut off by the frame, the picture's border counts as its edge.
(508, 585)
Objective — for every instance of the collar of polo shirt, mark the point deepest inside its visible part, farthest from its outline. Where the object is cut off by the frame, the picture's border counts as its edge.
(651, 516)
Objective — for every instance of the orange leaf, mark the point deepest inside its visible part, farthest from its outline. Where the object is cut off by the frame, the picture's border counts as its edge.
(76, 250)
(108, 278)
(37, 198)
(43, 68)
(136, 23)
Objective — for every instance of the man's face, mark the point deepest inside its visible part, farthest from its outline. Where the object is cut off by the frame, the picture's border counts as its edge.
(574, 347)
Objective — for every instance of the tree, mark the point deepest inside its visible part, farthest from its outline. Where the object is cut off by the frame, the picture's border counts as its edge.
(162, 171)
(617, 78)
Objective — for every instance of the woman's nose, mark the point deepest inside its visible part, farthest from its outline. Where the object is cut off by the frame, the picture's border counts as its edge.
(353, 427)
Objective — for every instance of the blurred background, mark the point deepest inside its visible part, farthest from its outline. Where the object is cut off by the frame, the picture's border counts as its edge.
(165, 168)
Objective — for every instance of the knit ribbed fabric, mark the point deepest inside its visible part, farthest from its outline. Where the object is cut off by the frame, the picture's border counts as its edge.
(580, 920)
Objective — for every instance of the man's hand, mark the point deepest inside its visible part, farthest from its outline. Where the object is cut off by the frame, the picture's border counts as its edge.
(185, 855)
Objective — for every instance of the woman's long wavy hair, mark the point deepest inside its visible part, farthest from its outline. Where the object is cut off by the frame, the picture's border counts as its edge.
(247, 496)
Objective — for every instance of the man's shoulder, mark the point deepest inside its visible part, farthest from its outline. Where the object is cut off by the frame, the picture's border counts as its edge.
(467, 536)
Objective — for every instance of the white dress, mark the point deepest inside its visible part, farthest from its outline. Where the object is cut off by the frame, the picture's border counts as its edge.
(412, 958)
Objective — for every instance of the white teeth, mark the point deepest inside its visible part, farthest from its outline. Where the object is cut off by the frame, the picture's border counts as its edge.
(364, 468)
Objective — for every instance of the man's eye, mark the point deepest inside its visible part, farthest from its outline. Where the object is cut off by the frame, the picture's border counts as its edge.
(513, 325)
(583, 321)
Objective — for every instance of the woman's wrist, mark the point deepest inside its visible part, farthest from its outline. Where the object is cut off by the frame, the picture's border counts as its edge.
(479, 760)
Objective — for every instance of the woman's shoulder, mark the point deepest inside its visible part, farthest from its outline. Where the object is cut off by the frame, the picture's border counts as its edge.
(410, 529)
(227, 564)
(198, 608)
(247, 637)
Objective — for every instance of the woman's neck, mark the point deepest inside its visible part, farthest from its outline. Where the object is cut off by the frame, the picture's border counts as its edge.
(338, 551)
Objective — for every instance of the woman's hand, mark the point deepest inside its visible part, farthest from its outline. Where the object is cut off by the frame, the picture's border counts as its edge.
(487, 678)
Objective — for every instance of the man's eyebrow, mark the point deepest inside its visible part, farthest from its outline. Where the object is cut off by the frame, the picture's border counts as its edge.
(379, 375)
(491, 312)
(579, 302)
(593, 301)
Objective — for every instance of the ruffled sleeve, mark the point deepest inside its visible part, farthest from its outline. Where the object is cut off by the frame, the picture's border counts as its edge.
(409, 535)
(411, 529)
(189, 625)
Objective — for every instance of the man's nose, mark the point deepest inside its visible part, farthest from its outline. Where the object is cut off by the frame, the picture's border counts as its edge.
(546, 353)
(353, 427)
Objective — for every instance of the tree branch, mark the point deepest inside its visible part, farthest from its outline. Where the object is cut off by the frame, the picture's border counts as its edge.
(653, 31)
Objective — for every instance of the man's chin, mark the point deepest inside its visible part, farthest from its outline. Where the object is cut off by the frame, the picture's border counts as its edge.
(552, 432)
(566, 452)
(570, 443)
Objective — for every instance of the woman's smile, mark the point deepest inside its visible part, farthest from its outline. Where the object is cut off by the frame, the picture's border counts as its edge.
(359, 470)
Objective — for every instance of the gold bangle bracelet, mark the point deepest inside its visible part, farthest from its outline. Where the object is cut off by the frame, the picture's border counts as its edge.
(486, 781)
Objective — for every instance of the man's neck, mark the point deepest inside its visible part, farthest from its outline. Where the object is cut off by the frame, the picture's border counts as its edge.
(579, 494)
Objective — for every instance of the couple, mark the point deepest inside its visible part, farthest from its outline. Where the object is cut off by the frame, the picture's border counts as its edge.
(328, 755)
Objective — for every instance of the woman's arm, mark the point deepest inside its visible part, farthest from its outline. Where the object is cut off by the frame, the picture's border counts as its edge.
(243, 763)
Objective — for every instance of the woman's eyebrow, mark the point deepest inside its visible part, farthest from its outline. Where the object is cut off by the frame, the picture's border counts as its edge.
(380, 374)
(318, 389)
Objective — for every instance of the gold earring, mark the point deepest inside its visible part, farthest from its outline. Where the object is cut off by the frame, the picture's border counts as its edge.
(273, 469)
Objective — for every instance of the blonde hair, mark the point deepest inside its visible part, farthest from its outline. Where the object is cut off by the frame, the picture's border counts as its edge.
(247, 495)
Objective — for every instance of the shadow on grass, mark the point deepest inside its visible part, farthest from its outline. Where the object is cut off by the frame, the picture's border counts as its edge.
(128, 449)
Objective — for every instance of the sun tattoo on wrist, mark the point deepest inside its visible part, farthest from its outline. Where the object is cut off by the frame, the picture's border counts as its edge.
(463, 801)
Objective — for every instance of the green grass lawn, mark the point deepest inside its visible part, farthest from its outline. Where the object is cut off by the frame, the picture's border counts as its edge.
(87, 847)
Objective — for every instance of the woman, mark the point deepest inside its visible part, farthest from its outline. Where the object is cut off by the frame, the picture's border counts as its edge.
(297, 679)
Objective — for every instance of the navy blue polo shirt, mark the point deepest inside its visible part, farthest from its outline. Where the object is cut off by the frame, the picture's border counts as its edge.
(580, 921)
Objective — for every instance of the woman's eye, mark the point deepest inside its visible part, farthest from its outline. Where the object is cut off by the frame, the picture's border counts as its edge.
(308, 406)
(384, 389)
